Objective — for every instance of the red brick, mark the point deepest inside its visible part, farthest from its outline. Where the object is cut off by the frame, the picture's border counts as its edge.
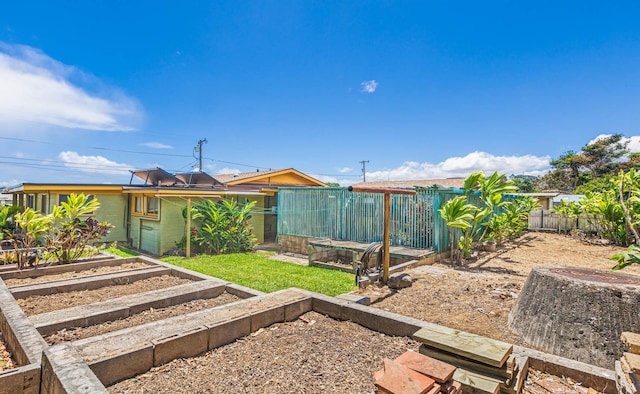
(452, 387)
(435, 389)
(436, 369)
(397, 379)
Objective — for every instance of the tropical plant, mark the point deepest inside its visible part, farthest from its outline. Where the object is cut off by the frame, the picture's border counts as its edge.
(624, 259)
(32, 226)
(7, 221)
(458, 215)
(72, 237)
(223, 226)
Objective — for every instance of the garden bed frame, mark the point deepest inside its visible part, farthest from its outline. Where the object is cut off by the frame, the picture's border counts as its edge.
(89, 364)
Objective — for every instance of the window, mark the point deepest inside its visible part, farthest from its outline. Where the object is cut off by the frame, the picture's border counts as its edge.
(62, 198)
(31, 201)
(43, 205)
(152, 206)
(138, 205)
(146, 206)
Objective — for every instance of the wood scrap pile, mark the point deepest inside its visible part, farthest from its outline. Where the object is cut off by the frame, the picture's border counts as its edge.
(483, 365)
(414, 373)
(628, 367)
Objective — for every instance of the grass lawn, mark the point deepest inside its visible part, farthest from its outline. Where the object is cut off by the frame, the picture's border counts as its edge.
(258, 272)
(120, 251)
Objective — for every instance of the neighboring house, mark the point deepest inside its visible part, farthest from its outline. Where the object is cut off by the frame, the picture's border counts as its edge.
(567, 198)
(148, 215)
(546, 199)
(443, 183)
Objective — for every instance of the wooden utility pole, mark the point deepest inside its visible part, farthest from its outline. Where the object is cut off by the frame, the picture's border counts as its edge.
(199, 149)
(364, 170)
(386, 237)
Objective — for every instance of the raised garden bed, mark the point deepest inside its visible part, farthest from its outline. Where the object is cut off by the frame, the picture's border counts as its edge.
(311, 354)
(146, 316)
(45, 303)
(96, 270)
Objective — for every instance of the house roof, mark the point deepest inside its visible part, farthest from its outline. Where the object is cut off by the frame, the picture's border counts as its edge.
(282, 177)
(448, 182)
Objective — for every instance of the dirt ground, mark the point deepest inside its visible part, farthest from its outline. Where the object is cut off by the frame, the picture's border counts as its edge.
(477, 296)
(291, 357)
(75, 274)
(39, 304)
(143, 317)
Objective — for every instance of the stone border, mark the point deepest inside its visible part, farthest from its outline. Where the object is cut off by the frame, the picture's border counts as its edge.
(24, 342)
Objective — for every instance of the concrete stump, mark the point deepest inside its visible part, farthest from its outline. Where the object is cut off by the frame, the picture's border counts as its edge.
(578, 313)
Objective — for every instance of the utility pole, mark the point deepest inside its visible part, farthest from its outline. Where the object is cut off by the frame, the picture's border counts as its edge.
(199, 150)
(364, 170)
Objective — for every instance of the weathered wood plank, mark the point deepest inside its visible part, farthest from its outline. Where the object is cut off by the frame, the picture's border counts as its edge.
(633, 361)
(476, 383)
(631, 341)
(515, 387)
(472, 346)
(504, 374)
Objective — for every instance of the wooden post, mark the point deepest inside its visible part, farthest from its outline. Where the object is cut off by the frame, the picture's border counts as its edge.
(386, 241)
(386, 238)
(188, 227)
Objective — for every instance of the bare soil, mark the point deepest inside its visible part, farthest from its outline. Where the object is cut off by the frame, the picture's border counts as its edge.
(39, 304)
(6, 359)
(478, 296)
(75, 274)
(314, 354)
(146, 316)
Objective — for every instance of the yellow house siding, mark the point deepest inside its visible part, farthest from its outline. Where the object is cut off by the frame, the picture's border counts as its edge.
(113, 209)
(257, 219)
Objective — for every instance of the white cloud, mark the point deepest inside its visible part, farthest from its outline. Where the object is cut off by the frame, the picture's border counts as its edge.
(463, 166)
(93, 164)
(369, 86)
(12, 182)
(633, 141)
(40, 90)
(229, 170)
(344, 170)
(156, 145)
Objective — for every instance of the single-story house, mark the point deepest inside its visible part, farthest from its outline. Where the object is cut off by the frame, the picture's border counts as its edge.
(545, 199)
(147, 214)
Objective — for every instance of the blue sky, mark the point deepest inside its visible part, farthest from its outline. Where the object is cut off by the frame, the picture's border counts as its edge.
(425, 89)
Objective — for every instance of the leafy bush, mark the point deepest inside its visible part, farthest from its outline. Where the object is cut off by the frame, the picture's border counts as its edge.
(223, 226)
(71, 237)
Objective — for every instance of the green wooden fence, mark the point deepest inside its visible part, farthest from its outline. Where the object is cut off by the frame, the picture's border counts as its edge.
(336, 213)
(339, 214)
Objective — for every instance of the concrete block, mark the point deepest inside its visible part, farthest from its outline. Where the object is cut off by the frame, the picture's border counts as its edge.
(598, 378)
(329, 306)
(21, 338)
(224, 332)
(266, 317)
(89, 283)
(23, 380)
(64, 371)
(187, 344)
(382, 321)
(242, 291)
(358, 299)
(127, 363)
(48, 324)
(293, 309)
